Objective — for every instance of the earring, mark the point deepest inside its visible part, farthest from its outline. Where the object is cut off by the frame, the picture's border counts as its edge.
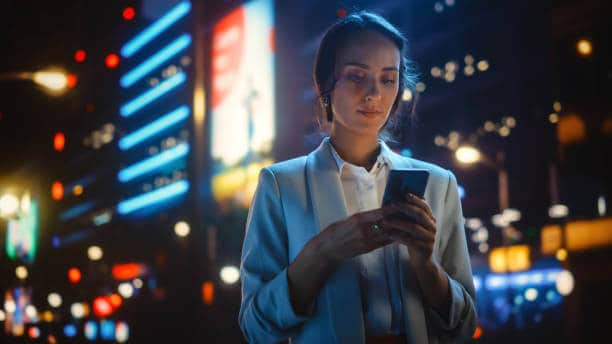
(325, 101)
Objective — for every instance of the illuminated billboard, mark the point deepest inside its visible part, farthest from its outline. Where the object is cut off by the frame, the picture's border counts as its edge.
(22, 234)
(242, 111)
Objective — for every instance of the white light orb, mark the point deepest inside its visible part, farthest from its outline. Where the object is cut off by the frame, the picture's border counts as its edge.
(511, 215)
(137, 282)
(182, 229)
(230, 274)
(8, 205)
(21, 272)
(601, 205)
(407, 95)
(54, 300)
(126, 290)
(558, 211)
(31, 311)
(77, 310)
(499, 221)
(95, 253)
(473, 223)
(531, 294)
(565, 282)
(467, 154)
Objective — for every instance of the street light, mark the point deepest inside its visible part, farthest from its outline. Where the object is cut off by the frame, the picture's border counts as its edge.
(55, 81)
(467, 154)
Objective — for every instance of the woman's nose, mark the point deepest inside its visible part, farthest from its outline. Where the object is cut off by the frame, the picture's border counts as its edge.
(373, 91)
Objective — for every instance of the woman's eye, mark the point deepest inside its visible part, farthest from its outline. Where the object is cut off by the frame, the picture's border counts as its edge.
(389, 81)
(356, 78)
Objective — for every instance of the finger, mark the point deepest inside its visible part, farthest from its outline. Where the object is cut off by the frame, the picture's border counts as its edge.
(418, 215)
(414, 199)
(408, 229)
(372, 216)
(427, 246)
(371, 245)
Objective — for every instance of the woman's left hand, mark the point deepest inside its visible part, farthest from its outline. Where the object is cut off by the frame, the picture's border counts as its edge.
(415, 228)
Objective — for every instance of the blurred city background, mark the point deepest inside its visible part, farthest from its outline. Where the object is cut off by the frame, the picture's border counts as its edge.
(132, 133)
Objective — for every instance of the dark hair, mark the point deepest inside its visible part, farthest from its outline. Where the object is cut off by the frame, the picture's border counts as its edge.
(337, 36)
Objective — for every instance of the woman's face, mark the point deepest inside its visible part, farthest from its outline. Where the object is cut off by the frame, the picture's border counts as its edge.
(367, 74)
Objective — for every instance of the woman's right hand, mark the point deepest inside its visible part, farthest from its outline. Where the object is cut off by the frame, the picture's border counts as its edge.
(357, 234)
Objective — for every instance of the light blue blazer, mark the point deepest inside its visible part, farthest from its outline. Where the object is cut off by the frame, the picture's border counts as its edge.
(298, 198)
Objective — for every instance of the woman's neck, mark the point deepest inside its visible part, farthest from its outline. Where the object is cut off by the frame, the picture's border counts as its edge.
(356, 149)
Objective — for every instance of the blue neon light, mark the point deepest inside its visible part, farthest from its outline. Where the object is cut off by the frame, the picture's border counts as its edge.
(155, 61)
(107, 329)
(70, 330)
(153, 128)
(153, 163)
(77, 210)
(159, 26)
(524, 279)
(159, 195)
(102, 219)
(142, 100)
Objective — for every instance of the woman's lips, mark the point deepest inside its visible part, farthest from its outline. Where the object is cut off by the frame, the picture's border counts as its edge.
(369, 113)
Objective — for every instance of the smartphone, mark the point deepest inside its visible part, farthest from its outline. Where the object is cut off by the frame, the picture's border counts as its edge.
(404, 181)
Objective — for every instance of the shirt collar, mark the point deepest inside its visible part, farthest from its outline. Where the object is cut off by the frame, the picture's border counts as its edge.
(383, 156)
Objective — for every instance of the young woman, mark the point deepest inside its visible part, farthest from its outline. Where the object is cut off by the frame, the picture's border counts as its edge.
(322, 261)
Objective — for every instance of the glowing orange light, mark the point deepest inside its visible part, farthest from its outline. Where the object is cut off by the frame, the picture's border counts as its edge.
(477, 333)
(80, 56)
(74, 275)
(77, 190)
(57, 191)
(102, 306)
(571, 129)
(208, 292)
(59, 141)
(584, 47)
(127, 271)
(129, 13)
(71, 81)
(115, 300)
(112, 60)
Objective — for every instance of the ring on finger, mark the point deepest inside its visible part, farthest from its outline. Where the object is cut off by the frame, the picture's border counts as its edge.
(376, 228)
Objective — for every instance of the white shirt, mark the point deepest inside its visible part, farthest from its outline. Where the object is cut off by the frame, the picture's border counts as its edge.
(363, 190)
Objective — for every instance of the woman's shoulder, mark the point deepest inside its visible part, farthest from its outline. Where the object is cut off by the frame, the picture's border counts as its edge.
(433, 168)
(288, 167)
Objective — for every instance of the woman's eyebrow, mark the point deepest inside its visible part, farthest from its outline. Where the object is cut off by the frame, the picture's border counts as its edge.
(365, 66)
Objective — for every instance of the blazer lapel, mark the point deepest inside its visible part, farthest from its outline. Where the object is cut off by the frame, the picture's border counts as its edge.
(325, 186)
(342, 289)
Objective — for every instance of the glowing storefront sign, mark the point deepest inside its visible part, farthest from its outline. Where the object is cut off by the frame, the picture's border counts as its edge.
(22, 234)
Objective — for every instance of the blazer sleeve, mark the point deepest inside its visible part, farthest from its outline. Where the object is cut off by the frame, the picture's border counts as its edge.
(461, 320)
(266, 314)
